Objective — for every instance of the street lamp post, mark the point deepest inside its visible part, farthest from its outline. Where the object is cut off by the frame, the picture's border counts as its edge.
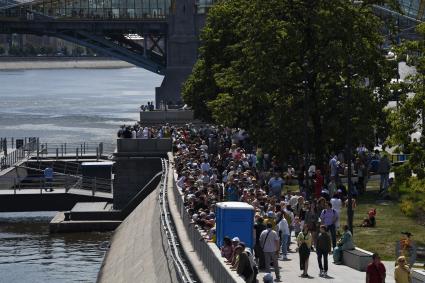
(348, 149)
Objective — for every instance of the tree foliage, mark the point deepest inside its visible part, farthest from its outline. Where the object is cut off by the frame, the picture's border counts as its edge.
(262, 62)
(407, 119)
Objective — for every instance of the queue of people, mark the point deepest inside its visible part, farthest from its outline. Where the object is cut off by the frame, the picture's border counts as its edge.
(215, 164)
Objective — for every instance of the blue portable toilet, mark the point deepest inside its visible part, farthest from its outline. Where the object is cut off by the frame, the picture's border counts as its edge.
(235, 219)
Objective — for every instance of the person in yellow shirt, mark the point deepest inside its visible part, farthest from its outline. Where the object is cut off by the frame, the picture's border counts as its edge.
(304, 246)
(402, 271)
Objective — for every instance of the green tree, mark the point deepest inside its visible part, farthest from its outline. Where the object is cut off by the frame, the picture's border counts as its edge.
(15, 51)
(2, 50)
(260, 60)
(29, 50)
(77, 51)
(409, 117)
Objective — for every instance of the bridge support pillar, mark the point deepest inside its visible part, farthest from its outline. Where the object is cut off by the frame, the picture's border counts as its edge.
(170, 90)
(182, 50)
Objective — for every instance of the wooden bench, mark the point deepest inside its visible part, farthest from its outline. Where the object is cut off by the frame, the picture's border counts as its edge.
(357, 259)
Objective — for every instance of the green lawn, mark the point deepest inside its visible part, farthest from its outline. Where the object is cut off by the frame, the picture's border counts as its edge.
(390, 223)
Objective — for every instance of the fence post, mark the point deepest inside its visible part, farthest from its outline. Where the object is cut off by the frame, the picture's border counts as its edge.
(97, 153)
(38, 150)
(93, 189)
(57, 153)
(81, 151)
(13, 143)
(84, 147)
(76, 153)
(65, 148)
(62, 150)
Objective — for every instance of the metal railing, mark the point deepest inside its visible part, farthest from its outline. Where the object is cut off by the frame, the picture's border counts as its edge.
(95, 185)
(22, 184)
(207, 252)
(59, 181)
(167, 225)
(65, 167)
(9, 159)
(77, 150)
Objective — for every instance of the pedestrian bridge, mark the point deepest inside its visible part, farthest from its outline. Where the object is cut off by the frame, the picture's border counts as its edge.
(158, 35)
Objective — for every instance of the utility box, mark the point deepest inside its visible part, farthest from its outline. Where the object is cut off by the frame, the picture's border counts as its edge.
(100, 170)
(235, 219)
(97, 176)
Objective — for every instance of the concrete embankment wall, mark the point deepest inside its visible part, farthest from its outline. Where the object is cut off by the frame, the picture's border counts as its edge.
(44, 202)
(139, 250)
(8, 177)
(15, 63)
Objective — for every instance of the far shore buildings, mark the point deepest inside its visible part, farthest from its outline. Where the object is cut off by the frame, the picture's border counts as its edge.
(24, 41)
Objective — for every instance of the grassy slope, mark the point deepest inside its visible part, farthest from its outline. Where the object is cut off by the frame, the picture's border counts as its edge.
(390, 223)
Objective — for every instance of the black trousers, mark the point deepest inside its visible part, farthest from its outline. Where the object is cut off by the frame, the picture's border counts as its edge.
(324, 254)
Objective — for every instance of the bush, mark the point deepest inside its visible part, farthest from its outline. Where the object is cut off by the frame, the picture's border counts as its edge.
(413, 202)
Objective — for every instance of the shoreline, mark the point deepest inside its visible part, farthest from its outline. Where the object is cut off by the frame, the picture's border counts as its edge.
(34, 63)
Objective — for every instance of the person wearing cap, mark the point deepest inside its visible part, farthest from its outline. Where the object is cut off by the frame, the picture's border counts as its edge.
(402, 271)
(375, 272)
(269, 241)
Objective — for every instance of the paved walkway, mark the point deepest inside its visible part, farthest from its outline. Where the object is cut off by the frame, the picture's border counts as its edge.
(290, 271)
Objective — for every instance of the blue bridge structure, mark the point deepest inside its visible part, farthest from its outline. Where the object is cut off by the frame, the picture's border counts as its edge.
(158, 35)
(161, 36)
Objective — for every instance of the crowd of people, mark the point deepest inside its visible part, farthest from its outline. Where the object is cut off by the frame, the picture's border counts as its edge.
(138, 131)
(216, 164)
(220, 164)
(148, 107)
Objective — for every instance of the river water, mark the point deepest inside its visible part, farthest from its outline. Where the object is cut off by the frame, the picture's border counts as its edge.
(72, 105)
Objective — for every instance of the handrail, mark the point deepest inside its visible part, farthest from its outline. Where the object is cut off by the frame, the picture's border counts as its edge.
(16, 155)
(170, 231)
(141, 195)
(68, 182)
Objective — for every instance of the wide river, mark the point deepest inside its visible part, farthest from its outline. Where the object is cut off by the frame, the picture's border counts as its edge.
(73, 105)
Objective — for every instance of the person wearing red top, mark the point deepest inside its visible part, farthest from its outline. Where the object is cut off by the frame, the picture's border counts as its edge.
(375, 272)
(318, 184)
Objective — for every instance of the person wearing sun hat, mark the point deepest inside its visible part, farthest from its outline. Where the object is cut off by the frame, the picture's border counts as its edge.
(402, 271)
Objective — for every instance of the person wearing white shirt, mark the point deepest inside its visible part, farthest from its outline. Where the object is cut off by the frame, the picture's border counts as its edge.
(181, 181)
(337, 205)
(269, 241)
(284, 236)
(311, 170)
(145, 133)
